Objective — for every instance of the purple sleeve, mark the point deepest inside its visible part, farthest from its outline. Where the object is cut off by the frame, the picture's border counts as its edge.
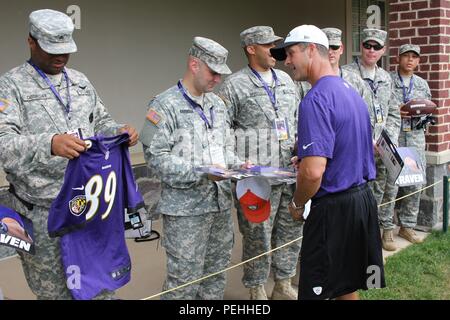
(316, 134)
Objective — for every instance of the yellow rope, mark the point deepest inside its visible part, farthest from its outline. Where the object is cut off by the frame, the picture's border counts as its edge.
(273, 250)
(227, 269)
(408, 195)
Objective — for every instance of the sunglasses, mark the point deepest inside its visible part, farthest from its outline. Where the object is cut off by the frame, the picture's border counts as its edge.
(376, 47)
(334, 48)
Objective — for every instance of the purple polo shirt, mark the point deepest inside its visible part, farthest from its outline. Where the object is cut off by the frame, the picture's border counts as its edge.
(334, 123)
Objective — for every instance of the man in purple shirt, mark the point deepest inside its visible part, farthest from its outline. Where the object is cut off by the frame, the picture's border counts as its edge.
(341, 249)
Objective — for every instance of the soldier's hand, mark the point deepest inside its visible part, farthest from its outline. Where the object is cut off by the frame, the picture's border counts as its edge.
(247, 165)
(216, 178)
(67, 146)
(295, 162)
(404, 114)
(134, 136)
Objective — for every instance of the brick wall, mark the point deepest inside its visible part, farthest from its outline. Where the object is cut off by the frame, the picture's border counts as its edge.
(426, 23)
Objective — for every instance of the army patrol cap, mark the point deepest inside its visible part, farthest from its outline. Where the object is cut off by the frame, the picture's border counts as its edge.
(376, 35)
(334, 36)
(210, 52)
(53, 31)
(409, 48)
(258, 35)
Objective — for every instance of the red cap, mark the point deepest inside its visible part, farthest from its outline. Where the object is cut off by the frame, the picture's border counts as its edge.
(254, 197)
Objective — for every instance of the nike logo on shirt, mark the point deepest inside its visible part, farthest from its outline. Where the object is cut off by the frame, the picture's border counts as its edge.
(306, 146)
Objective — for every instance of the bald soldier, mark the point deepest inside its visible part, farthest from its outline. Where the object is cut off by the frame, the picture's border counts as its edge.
(187, 126)
(41, 104)
(262, 99)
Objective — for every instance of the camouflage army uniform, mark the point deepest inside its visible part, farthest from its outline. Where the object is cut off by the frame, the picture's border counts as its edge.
(391, 118)
(198, 229)
(359, 85)
(409, 207)
(303, 88)
(31, 118)
(253, 113)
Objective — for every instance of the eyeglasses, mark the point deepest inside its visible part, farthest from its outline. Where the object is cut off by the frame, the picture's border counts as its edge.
(334, 48)
(376, 47)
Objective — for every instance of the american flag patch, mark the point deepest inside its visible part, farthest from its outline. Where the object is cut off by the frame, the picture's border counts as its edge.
(154, 117)
(4, 104)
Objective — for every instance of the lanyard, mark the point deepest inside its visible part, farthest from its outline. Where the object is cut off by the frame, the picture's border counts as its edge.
(370, 82)
(406, 94)
(272, 95)
(52, 87)
(197, 107)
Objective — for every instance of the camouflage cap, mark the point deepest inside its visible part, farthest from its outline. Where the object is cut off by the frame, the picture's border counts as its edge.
(258, 35)
(211, 53)
(334, 36)
(376, 35)
(53, 31)
(409, 47)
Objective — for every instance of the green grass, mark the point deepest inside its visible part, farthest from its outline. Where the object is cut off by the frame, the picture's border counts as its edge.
(419, 272)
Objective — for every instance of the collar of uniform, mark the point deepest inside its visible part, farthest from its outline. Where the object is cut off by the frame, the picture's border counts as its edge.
(363, 70)
(258, 83)
(42, 83)
(398, 83)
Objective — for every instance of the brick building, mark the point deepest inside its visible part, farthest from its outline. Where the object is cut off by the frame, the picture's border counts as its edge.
(427, 23)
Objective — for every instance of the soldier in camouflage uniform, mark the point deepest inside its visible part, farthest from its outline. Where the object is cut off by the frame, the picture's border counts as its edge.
(40, 102)
(335, 51)
(384, 113)
(187, 126)
(407, 86)
(258, 96)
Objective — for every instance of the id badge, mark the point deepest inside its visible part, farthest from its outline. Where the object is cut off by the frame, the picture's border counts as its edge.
(406, 124)
(378, 112)
(76, 133)
(282, 129)
(135, 220)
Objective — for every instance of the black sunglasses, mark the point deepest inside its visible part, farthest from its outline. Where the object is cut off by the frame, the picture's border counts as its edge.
(334, 48)
(376, 47)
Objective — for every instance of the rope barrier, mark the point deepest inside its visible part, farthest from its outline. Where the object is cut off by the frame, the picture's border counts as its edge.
(273, 250)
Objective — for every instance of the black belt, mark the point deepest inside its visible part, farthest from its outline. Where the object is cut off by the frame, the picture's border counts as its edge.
(28, 205)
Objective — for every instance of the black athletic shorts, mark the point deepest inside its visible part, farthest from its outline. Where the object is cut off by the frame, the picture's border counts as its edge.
(341, 248)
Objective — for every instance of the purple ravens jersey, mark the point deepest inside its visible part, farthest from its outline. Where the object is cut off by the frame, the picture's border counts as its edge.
(88, 214)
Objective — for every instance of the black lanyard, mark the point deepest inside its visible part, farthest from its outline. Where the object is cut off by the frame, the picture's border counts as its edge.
(52, 87)
(406, 94)
(272, 95)
(197, 107)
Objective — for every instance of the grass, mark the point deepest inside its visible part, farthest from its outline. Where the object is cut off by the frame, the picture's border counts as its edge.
(419, 272)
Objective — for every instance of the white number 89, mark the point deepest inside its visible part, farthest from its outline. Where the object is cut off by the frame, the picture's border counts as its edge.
(93, 191)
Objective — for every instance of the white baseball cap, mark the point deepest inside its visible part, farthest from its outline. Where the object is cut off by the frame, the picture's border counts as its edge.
(254, 197)
(301, 34)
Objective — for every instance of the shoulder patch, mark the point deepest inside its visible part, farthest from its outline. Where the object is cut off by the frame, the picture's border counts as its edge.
(4, 104)
(153, 116)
